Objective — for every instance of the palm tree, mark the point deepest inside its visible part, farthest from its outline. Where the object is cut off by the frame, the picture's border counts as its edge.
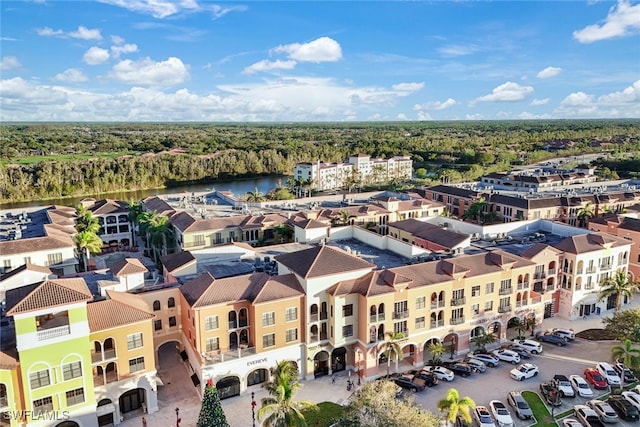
(585, 214)
(135, 209)
(86, 220)
(392, 348)
(437, 349)
(453, 405)
(626, 354)
(282, 410)
(518, 325)
(284, 231)
(87, 243)
(481, 341)
(342, 218)
(255, 195)
(617, 285)
(144, 225)
(159, 234)
(530, 323)
(475, 211)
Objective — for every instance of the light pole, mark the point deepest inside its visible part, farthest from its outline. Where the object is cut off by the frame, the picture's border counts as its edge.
(358, 354)
(253, 408)
(177, 417)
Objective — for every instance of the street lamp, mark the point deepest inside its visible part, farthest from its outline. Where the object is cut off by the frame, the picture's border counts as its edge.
(253, 408)
(358, 354)
(177, 417)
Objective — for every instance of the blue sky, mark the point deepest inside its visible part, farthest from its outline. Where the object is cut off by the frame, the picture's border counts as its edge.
(190, 60)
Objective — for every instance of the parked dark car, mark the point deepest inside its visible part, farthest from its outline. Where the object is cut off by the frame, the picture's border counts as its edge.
(624, 408)
(409, 382)
(552, 339)
(625, 373)
(523, 352)
(550, 393)
(430, 379)
(459, 368)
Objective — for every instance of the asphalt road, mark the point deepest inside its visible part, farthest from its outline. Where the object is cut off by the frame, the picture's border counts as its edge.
(495, 383)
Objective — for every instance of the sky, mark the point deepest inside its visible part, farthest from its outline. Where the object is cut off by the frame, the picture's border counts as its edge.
(318, 61)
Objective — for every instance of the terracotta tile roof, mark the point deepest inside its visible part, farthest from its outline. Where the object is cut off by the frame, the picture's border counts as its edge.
(196, 287)
(54, 240)
(47, 294)
(537, 248)
(279, 287)
(7, 361)
(108, 314)
(109, 206)
(322, 261)
(307, 224)
(131, 300)
(430, 232)
(155, 203)
(173, 262)
(590, 242)
(262, 221)
(371, 284)
(187, 224)
(127, 266)
(24, 267)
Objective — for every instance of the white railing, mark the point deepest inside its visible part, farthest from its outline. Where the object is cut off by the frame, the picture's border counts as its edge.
(46, 334)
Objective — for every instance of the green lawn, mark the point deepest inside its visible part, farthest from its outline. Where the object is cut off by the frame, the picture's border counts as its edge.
(540, 411)
(327, 414)
(32, 160)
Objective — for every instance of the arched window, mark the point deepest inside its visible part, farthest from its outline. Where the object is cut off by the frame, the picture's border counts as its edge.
(156, 305)
(171, 302)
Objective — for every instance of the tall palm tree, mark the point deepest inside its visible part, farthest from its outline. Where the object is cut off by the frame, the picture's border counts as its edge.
(475, 211)
(453, 405)
(437, 349)
(626, 354)
(279, 409)
(135, 209)
(144, 225)
(87, 243)
(618, 285)
(86, 220)
(342, 218)
(255, 195)
(392, 349)
(159, 233)
(530, 323)
(585, 214)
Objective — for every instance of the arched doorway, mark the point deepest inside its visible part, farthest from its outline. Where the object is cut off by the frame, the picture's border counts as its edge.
(228, 387)
(451, 343)
(105, 412)
(338, 359)
(258, 376)
(515, 327)
(132, 400)
(321, 364)
(494, 328)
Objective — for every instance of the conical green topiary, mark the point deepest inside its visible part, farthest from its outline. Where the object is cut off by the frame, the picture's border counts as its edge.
(211, 413)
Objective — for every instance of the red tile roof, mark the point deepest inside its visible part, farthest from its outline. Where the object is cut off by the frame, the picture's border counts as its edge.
(47, 294)
(322, 261)
(108, 314)
(127, 266)
(590, 242)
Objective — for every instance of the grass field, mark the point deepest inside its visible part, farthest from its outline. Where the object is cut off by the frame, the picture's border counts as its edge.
(327, 414)
(539, 410)
(32, 160)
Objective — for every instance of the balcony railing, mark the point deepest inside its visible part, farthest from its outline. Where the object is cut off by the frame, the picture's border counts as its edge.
(590, 270)
(437, 323)
(579, 271)
(4, 402)
(222, 355)
(373, 318)
(46, 334)
(521, 303)
(505, 291)
(552, 272)
(106, 355)
(437, 304)
(550, 288)
(401, 314)
(323, 315)
(539, 275)
(606, 266)
(314, 337)
(458, 301)
(588, 286)
(457, 320)
(504, 309)
(313, 317)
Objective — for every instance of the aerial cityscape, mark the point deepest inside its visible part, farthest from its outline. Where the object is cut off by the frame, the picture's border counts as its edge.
(319, 214)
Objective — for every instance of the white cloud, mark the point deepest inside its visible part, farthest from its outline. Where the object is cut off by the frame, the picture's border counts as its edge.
(476, 116)
(458, 50)
(549, 72)
(9, 63)
(96, 55)
(536, 102)
(630, 95)
(408, 87)
(71, 75)
(423, 116)
(82, 32)
(506, 92)
(147, 72)
(118, 50)
(577, 99)
(165, 8)
(402, 116)
(266, 65)
(324, 49)
(623, 20)
(435, 105)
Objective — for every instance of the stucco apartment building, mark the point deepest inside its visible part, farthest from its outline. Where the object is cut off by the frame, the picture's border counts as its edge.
(429, 236)
(113, 216)
(629, 229)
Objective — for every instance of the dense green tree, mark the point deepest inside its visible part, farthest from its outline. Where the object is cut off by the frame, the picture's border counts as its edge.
(87, 243)
(619, 286)
(211, 413)
(585, 214)
(624, 325)
(627, 354)
(437, 349)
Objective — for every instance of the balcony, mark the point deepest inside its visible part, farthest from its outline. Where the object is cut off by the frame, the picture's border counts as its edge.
(504, 309)
(579, 271)
(437, 304)
(374, 318)
(437, 323)
(552, 272)
(323, 315)
(107, 378)
(521, 303)
(523, 285)
(540, 276)
(606, 266)
(458, 301)
(219, 356)
(47, 334)
(457, 320)
(313, 317)
(505, 291)
(104, 356)
(401, 314)
(590, 270)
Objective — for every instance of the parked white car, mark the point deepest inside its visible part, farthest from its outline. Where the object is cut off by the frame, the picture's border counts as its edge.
(533, 346)
(441, 372)
(605, 412)
(607, 371)
(501, 413)
(483, 416)
(567, 333)
(524, 371)
(633, 398)
(507, 355)
(581, 386)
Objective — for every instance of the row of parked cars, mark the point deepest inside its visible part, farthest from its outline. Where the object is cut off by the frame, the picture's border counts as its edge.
(597, 413)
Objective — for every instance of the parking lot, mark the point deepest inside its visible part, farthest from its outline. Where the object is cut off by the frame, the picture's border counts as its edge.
(495, 383)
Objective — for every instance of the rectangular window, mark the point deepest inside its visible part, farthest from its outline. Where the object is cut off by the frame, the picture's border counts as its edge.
(347, 310)
(134, 341)
(39, 379)
(457, 313)
(291, 314)
(347, 331)
(210, 323)
(75, 397)
(172, 321)
(421, 302)
(268, 319)
(157, 325)
(212, 344)
(269, 340)
(43, 405)
(505, 302)
(53, 259)
(488, 306)
(505, 284)
(475, 309)
(475, 291)
(72, 370)
(136, 364)
(198, 240)
(292, 335)
(489, 288)
(420, 322)
(400, 327)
